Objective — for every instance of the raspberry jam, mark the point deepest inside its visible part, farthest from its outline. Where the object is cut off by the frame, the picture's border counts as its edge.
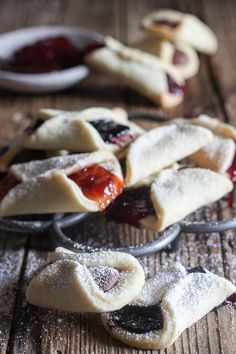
(138, 319)
(232, 175)
(174, 87)
(179, 57)
(46, 55)
(7, 182)
(166, 22)
(132, 206)
(98, 184)
(112, 132)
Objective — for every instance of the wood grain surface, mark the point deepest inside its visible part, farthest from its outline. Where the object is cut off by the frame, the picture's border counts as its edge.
(25, 329)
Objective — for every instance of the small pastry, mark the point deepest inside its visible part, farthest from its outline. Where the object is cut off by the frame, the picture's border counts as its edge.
(181, 55)
(168, 198)
(73, 183)
(218, 155)
(84, 131)
(87, 282)
(177, 26)
(172, 301)
(162, 146)
(141, 71)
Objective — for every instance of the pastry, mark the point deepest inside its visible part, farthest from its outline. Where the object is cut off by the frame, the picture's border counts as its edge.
(87, 282)
(169, 303)
(218, 155)
(181, 55)
(141, 71)
(176, 26)
(73, 183)
(169, 198)
(84, 131)
(160, 147)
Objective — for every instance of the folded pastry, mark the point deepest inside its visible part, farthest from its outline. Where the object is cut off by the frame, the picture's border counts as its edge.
(168, 198)
(219, 154)
(83, 131)
(160, 147)
(73, 183)
(88, 130)
(181, 55)
(169, 303)
(177, 26)
(141, 71)
(87, 282)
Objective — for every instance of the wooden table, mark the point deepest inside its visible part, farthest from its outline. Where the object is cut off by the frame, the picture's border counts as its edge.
(27, 329)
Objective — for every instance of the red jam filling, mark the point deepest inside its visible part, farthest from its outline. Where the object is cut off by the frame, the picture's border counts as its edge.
(112, 132)
(46, 55)
(232, 174)
(131, 206)
(179, 57)
(166, 22)
(98, 184)
(174, 87)
(7, 182)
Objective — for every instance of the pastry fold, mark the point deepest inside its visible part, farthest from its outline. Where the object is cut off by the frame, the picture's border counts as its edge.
(160, 147)
(45, 186)
(83, 131)
(67, 284)
(141, 71)
(181, 55)
(182, 297)
(177, 26)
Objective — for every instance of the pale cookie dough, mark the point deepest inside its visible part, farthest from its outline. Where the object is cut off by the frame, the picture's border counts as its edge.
(87, 282)
(45, 187)
(181, 55)
(172, 301)
(162, 146)
(168, 198)
(177, 26)
(141, 71)
(84, 131)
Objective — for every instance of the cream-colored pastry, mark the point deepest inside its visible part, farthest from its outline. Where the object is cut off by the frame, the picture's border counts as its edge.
(141, 71)
(49, 186)
(160, 147)
(217, 155)
(177, 26)
(181, 55)
(172, 301)
(168, 198)
(87, 282)
(83, 131)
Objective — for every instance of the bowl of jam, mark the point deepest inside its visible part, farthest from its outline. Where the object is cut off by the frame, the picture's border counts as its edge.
(45, 59)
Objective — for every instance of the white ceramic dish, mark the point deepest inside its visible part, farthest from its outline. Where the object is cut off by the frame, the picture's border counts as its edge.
(47, 82)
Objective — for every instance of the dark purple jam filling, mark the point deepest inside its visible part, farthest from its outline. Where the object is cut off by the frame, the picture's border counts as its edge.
(112, 132)
(105, 277)
(166, 22)
(47, 55)
(174, 87)
(197, 269)
(131, 206)
(179, 57)
(139, 319)
(35, 125)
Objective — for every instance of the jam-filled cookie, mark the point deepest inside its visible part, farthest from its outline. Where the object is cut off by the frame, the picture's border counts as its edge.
(72, 183)
(177, 26)
(169, 303)
(162, 146)
(167, 198)
(87, 282)
(141, 71)
(181, 55)
(88, 130)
